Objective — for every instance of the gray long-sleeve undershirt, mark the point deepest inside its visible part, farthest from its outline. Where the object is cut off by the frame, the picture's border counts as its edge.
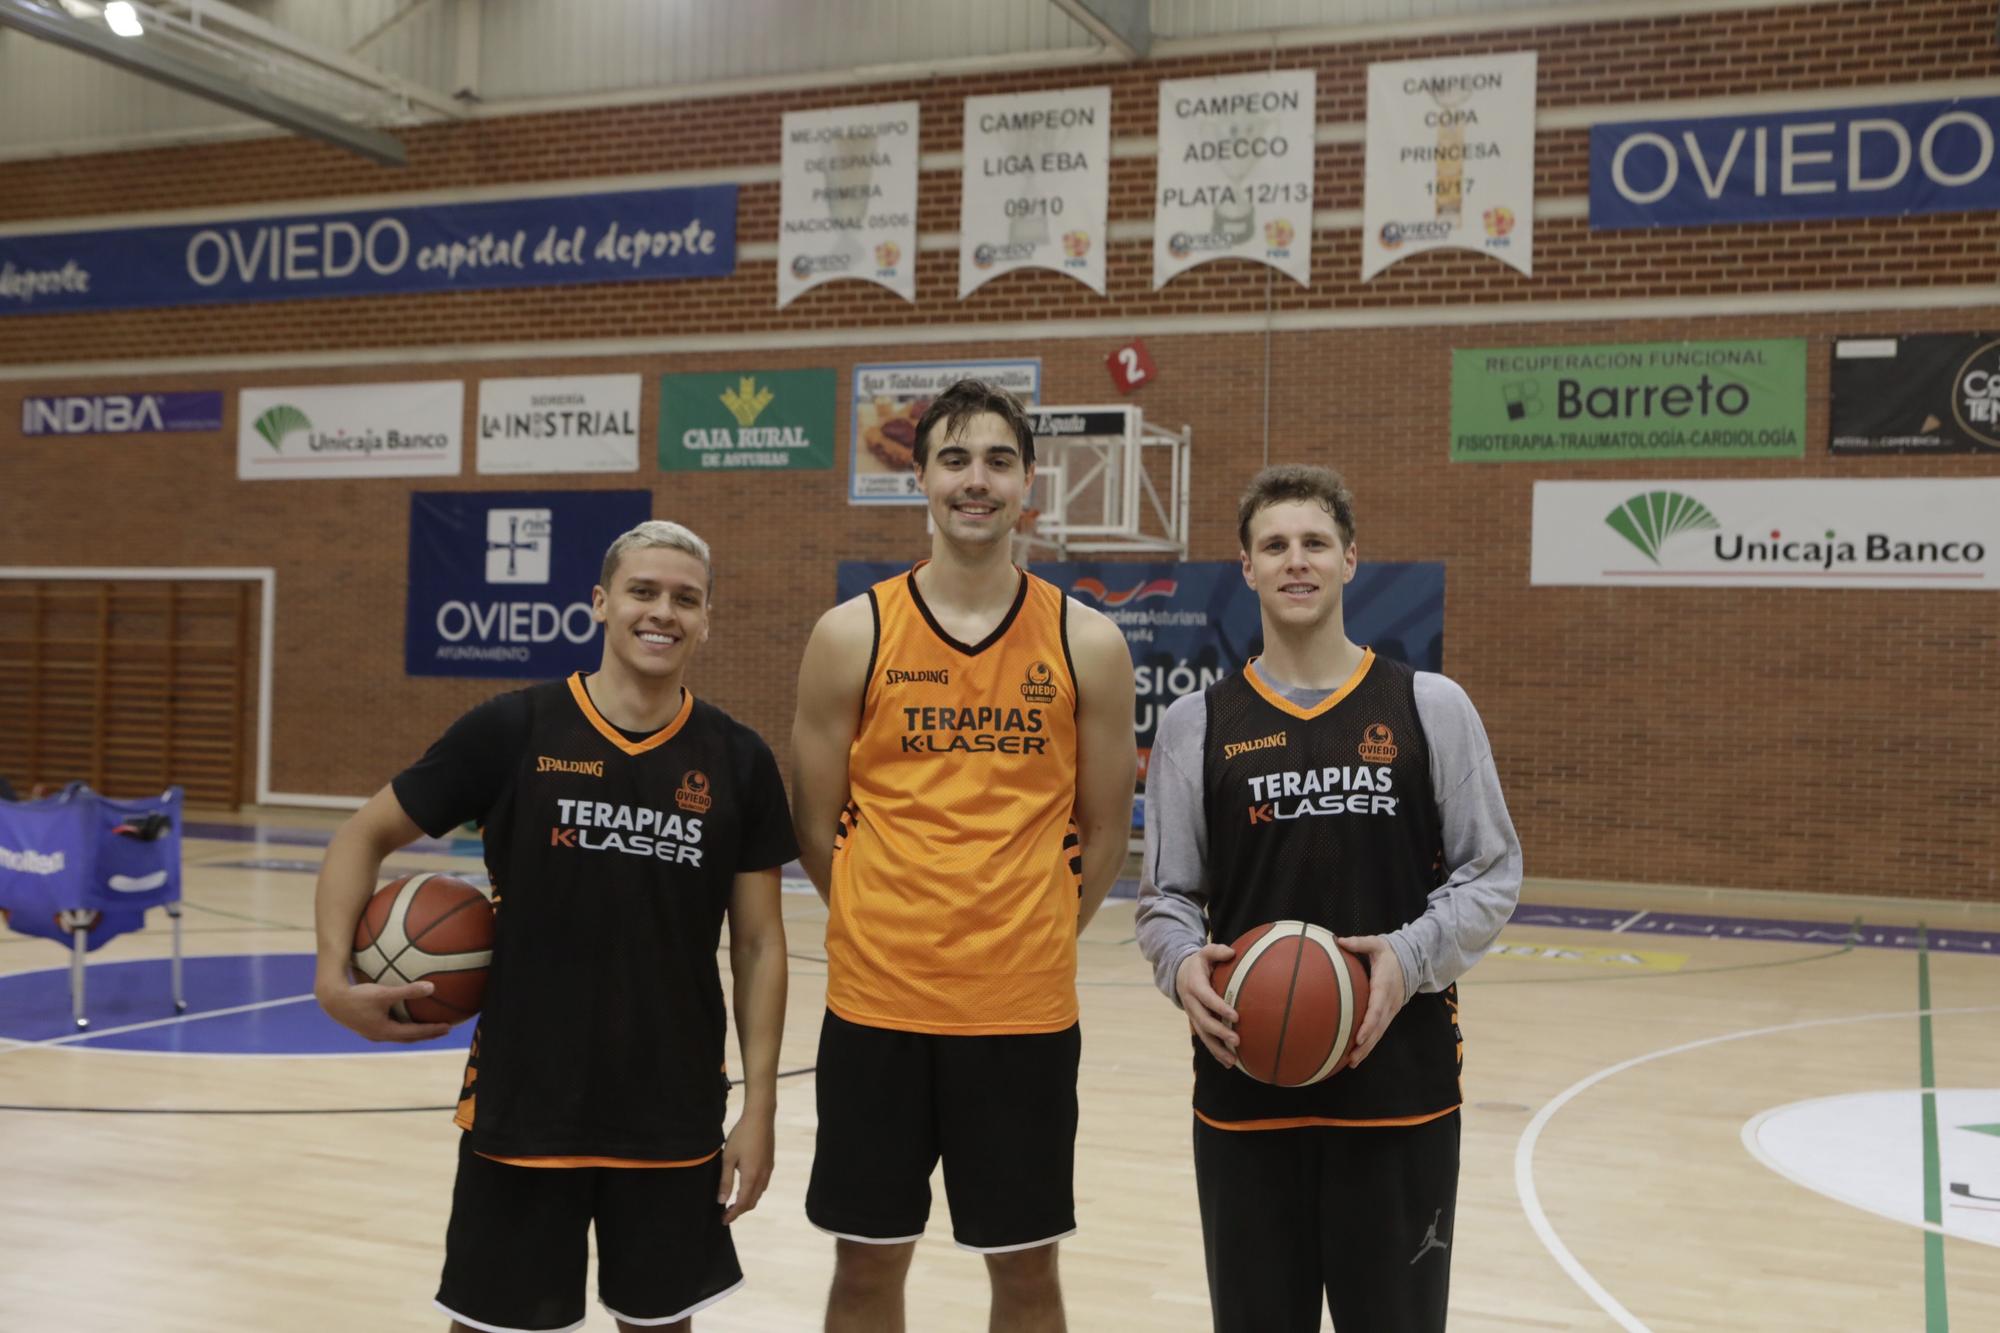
(1465, 913)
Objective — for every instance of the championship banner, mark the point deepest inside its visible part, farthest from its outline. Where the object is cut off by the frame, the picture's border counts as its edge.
(1637, 400)
(1190, 624)
(1837, 162)
(888, 402)
(847, 199)
(575, 423)
(1936, 533)
(756, 419)
(1037, 176)
(350, 430)
(1923, 393)
(1451, 159)
(499, 581)
(1235, 173)
(635, 235)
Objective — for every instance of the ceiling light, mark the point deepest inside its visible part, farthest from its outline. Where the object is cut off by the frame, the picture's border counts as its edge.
(124, 20)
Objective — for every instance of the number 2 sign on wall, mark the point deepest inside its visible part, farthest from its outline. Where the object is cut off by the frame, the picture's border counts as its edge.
(1131, 366)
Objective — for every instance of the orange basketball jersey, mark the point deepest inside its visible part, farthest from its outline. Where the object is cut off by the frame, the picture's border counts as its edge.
(957, 872)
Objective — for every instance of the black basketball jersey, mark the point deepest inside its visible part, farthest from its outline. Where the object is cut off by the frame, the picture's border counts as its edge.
(612, 858)
(1326, 815)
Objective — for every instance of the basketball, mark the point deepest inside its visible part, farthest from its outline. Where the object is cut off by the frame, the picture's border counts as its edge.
(428, 928)
(1298, 997)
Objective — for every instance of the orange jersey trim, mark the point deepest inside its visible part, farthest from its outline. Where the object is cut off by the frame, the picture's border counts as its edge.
(616, 737)
(1301, 1121)
(641, 1163)
(1284, 705)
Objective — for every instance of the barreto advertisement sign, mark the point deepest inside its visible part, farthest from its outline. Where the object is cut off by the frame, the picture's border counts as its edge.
(1639, 400)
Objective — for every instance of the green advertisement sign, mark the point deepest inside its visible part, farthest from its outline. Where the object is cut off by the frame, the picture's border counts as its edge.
(758, 419)
(1630, 400)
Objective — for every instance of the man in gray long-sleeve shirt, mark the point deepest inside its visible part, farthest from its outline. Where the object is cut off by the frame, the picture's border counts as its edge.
(1326, 785)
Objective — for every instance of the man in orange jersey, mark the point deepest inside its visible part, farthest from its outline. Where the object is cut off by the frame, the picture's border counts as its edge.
(963, 798)
(624, 819)
(1322, 783)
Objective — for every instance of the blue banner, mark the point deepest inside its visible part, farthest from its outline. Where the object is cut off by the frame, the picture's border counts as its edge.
(630, 236)
(121, 413)
(1189, 625)
(1846, 162)
(500, 581)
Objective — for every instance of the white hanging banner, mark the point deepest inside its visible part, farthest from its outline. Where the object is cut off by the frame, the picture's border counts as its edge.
(1037, 173)
(848, 199)
(1451, 159)
(1236, 173)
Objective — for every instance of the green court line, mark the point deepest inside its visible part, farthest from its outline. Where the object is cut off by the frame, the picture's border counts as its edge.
(1936, 1319)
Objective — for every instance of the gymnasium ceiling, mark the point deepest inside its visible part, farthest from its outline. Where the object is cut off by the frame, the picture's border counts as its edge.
(355, 70)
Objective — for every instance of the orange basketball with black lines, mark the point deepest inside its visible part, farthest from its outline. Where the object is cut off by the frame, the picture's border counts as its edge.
(431, 928)
(1299, 998)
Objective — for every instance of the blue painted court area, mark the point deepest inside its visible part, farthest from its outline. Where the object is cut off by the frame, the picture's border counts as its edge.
(238, 1004)
(464, 845)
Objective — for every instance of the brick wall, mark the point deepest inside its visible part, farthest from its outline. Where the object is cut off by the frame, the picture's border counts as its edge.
(1810, 739)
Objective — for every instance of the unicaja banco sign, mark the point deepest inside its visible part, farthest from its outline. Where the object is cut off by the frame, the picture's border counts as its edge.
(1909, 533)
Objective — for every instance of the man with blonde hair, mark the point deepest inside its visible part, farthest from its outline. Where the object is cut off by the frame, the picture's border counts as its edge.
(623, 820)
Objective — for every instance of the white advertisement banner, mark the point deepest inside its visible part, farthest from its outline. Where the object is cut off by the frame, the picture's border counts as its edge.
(1451, 159)
(889, 401)
(350, 430)
(1235, 173)
(1037, 175)
(574, 423)
(1903, 533)
(847, 199)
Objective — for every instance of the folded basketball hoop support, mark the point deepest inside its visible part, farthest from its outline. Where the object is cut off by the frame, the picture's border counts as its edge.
(1106, 482)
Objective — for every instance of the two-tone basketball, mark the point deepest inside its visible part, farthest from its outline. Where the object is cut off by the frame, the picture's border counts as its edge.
(1298, 997)
(428, 928)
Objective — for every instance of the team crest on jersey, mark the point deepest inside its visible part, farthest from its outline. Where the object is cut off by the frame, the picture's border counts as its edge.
(1378, 743)
(1038, 687)
(692, 794)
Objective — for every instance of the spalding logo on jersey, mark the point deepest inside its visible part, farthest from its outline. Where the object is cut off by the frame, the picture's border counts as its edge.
(601, 826)
(1295, 794)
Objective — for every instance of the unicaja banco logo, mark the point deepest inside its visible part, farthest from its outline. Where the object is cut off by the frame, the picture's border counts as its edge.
(1648, 520)
(279, 422)
(746, 402)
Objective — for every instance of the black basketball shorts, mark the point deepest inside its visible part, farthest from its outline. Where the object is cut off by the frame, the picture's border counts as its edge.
(1360, 1218)
(516, 1252)
(999, 1110)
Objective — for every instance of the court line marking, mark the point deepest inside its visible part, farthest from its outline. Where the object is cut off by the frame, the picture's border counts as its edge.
(70, 1038)
(1631, 920)
(1524, 1149)
(1936, 1316)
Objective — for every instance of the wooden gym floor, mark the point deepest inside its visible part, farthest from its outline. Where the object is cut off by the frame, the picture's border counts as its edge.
(1633, 1155)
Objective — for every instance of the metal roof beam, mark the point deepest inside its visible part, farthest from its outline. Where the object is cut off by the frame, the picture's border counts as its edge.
(1124, 26)
(149, 61)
